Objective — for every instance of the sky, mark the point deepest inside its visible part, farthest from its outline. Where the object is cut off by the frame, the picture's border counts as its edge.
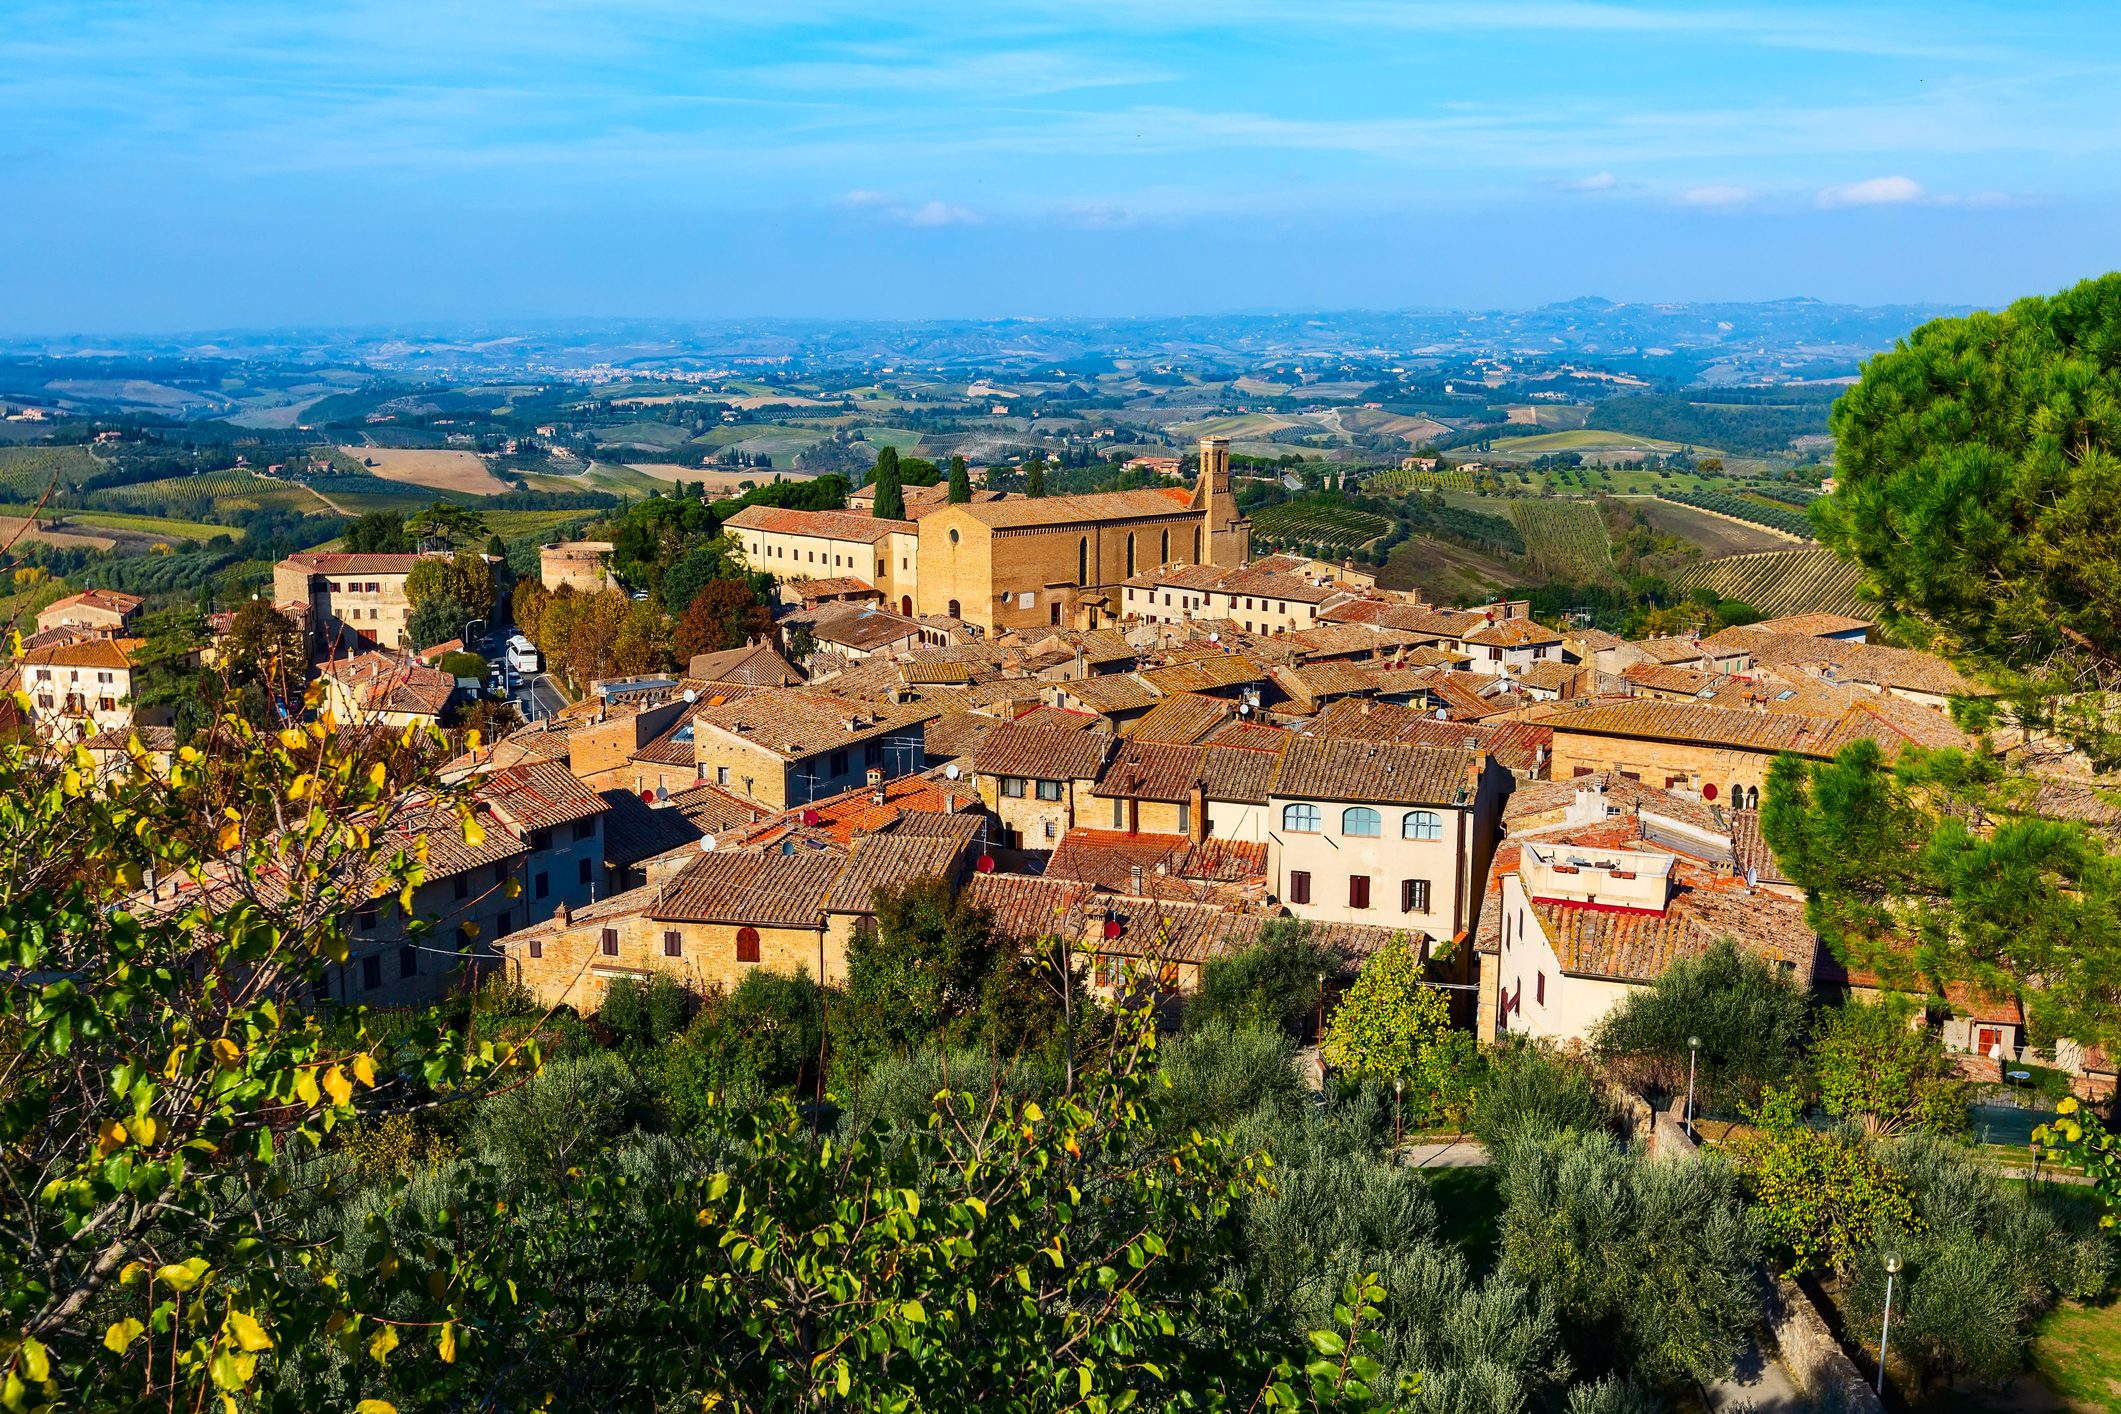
(172, 165)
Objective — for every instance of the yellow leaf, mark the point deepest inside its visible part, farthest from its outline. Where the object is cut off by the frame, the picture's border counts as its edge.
(145, 1128)
(73, 783)
(375, 1406)
(227, 1052)
(294, 738)
(446, 1343)
(382, 1343)
(364, 1069)
(2067, 1105)
(388, 1267)
(471, 739)
(121, 1335)
(109, 1135)
(227, 836)
(474, 833)
(248, 1333)
(306, 1086)
(181, 1275)
(1033, 1113)
(131, 1272)
(379, 775)
(338, 1086)
(36, 1365)
(299, 786)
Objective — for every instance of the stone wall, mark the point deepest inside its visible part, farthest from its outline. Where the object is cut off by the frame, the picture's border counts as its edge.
(1813, 1357)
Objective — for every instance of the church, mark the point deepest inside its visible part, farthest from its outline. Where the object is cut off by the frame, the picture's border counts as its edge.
(1022, 562)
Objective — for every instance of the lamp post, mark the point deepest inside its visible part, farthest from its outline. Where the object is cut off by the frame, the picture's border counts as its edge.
(1892, 1269)
(1397, 1086)
(1321, 1014)
(1693, 1054)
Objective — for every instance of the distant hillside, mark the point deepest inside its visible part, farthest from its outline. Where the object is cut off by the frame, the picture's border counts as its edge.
(1752, 429)
(1780, 581)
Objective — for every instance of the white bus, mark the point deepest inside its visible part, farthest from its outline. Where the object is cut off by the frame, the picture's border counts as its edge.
(522, 655)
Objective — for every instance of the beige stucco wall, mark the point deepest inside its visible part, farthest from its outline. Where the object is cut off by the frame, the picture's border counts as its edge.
(1574, 1005)
(1669, 765)
(573, 970)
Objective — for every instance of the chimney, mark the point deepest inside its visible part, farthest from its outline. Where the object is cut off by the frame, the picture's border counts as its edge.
(1134, 880)
(874, 775)
(563, 915)
(1197, 813)
(950, 803)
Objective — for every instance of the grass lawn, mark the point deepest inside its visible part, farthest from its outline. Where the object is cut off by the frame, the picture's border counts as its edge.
(1469, 1213)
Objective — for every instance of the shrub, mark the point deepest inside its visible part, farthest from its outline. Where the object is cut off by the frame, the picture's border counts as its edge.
(1529, 1089)
(1751, 1019)
(1276, 982)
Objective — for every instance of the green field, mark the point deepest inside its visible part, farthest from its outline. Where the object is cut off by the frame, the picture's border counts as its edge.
(646, 434)
(138, 525)
(1237, 426)
(1772, 514)
(898, 437)
(1304, 522)
(27, 472)
(1398, 480)
(1779, 582)
(208, 494)
(1587, 440)
(1564, 539)
(514, 525)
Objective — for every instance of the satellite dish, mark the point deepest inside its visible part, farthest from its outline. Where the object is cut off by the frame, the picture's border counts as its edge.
(691, 695)
(1244, 709)
(1442, 714)
(1215, 638)
(662, 793)
(647, 797)
(952, 771)
(985, 864)
(706, 843)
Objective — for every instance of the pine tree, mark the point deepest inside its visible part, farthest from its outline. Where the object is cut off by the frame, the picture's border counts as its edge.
(960, 482)
(1035, 477)
(890, 499)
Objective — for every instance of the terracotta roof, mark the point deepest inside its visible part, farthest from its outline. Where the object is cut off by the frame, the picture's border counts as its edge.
(152, 739)
(113, 653)
(1513, 633)
(1015, 511)
(109, 601)
(1024, 907)
(1245, 734)
(825, 525)
(1041, 753)
(1671, 650)
(865, 629)
(1112, 692)
(1752, 849)
(799, 722)
(906, 801)
(1639, 947)
(1549, 676)
(1154, 771)
(538, 795)
(1645, 717)
(1346, 640)
(1814, 625)
(1193, 933)
(1844, 662)
(336, 563)
(1537, 805)
(772, 889)
(712, 808)
(1062, 717)
(1590, 640)
(1181, 719)
(635, 830)
(1521, 747)
(759, 665)
(956, 733)
(1204, 674)
(1663, 677)
(829, 587)
(1108, 858)
(893, 861)
(916, 673)
(1373, 771)
(1315, 681)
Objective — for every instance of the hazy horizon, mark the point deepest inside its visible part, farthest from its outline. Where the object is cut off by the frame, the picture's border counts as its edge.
(185, 167)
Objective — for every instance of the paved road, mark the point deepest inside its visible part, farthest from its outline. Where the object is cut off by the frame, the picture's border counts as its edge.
(1757, 1384)
(538, 696)
(1444, 1154)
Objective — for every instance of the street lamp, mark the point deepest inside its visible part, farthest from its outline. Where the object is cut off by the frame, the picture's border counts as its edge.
(1321, 1013)
(1397, 1086)
(1693, 1054)
(1892, 1268)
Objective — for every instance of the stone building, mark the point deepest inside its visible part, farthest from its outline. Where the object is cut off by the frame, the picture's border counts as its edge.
(1063, 560)
(361, 597)
(579, 564)
(81, 687)
(784, 747)
(792, 544)
(93, 612)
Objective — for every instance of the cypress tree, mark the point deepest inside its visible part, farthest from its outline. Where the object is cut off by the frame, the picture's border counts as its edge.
(960, 482)
(1035, 477)
(890, 499)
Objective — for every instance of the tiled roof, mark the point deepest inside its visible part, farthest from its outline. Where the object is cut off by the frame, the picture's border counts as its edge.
(906, 799)
(893, 861)
(824, 525)
(1814, 625)
(1248, 735)
(1686, 721)
(768, 889)
(956, 733)
(1204, 674)
(1024, 907)
(1664, 677)
(1513, 633)
(913, 674)
(1537, 805)
(1373, 771)
(1061, 717)
(635, 830)
(1072, 510)
(1108, 859)
(1856, 662)
(1348, 640)
(1639, 947)
(829, 587)
(712, 808)
(1550, 676)
(1154, 771)
(1181, 719)
(759, 665)
(330, 563)
(88, 653)
(1520, 746)
(1041, 753)
(1112, 692)
(1315, 681)
(537, 795)
(1671, 650)
(1591, 640)
(865, 629)
(109, 601)
(152, 739)
(1751, 846)
(799, 722)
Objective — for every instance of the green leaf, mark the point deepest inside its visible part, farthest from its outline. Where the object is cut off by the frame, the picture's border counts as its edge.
(1328, 1342)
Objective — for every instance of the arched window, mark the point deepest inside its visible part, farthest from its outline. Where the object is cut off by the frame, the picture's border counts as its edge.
(953, 535)
(1737, 796)
(1752, 797)
(747, 945)
(1130, 554)
(1360, 820)
(1163, 556)
(1082, 560)
(1421, 825)
(1300, 817)
(953, 610)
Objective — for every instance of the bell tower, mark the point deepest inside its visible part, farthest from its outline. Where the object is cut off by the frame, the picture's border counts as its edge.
(1226, 536)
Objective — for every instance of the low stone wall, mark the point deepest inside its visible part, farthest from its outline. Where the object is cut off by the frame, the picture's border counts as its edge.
(1812, 1355)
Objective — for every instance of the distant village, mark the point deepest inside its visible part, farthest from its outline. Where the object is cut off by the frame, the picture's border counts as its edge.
(1105, 721)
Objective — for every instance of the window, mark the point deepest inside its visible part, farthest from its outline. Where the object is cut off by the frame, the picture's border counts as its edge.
(1539, 989)
(1082, 560)
(747, 945)
(584, 829)
(673, 943)
(608, 942)
(1582, 771)
(1119, 814)
(408, 961)
(1414, 897)
(838, 765)
(1163, 556)
(503, 925)
(537, 948)
(1196, 545)
(1130, 554)
(1052, 830)
(1299, 886)
(1421, 825)
(1752, 797)
(1360, 820)
(721, 775)
(953, 540)
(585, 870)
(1300, 817)
(1013, 787)
(1358, 891)
(952, 609)
(543, 886)
(1185, 816)
(365, 920)
(371, 972)
(873, 753)
(1049, 790)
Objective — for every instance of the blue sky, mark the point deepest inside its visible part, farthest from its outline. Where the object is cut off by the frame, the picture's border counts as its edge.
(178, 165)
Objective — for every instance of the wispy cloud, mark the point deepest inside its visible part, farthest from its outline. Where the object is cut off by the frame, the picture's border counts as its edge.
(911, 213)
(1597, 181)
(1715, 194)
(1875, 191)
